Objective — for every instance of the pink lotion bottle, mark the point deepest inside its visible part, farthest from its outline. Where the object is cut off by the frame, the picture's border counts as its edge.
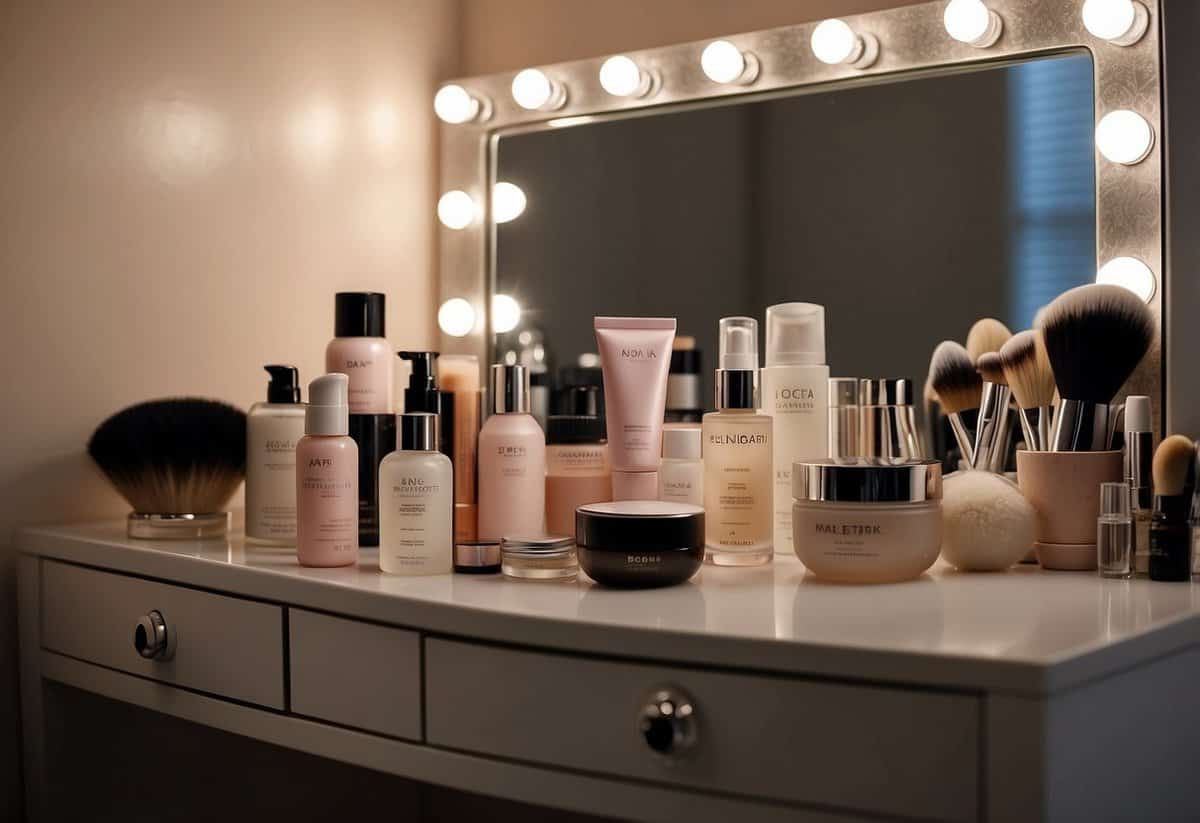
(360, 351)
(327, 478)
(512, 461)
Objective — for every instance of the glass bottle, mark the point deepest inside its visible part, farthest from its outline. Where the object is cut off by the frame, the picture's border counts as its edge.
(416, 501)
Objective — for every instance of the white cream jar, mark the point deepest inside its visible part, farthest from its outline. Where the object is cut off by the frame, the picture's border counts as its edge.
(867, 520)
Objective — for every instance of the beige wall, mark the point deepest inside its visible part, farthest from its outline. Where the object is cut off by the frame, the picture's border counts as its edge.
(183, 186)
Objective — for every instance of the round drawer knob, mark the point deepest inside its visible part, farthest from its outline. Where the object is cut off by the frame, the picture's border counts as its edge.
(668, 722)
(151, 637)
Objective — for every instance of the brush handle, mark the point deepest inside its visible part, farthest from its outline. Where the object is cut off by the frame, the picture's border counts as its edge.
(1081, 426)
(1033, 441)
(985, 428)
(1045, 420)
(964, 439)
(999, 457)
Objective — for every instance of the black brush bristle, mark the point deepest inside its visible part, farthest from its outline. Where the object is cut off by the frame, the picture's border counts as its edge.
(176, 456)
(1095, 337)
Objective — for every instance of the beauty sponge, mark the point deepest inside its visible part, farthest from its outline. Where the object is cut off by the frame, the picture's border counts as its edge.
(987, 524)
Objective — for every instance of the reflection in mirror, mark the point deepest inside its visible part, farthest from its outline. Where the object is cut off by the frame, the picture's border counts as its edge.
(908, 209)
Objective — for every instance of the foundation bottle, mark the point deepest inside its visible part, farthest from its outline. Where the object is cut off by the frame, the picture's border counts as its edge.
(327, 478)
(416, 501)
(512, 461)
(738, 481)
(273, 429)
(577, 467)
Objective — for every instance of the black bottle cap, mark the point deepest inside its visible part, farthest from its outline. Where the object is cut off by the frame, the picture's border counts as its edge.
(422, 392)
(358, 314)
(285, 384)
(579, 420)
(685, 361)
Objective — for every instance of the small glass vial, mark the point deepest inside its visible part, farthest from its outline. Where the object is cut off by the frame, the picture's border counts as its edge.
(416, 501)
(539, 558)
(739, 489)
(681, 472)
(1114, 531)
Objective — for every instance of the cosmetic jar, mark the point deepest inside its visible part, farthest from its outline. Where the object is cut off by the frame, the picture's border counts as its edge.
(477, 557)
(549, 557)
(639, 543)
(867, 520)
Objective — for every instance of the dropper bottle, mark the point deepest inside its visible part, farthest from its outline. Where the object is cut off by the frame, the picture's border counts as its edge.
(738, 475)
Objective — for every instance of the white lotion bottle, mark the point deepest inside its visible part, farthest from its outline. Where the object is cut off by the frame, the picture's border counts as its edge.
(416, 501)
(273, 429)
(795, 394)
(512, 461)
(681, 472)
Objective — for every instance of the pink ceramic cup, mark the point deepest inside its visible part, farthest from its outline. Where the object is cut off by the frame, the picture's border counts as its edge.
(1064, 489)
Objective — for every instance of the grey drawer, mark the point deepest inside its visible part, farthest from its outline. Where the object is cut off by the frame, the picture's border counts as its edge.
(356, 674)
(223, 645)
(862, 748)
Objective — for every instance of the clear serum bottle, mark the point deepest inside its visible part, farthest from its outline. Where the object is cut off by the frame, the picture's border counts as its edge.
(327, 478)
(416, 501)
(738, 481)
(273, 429)
(795, 393)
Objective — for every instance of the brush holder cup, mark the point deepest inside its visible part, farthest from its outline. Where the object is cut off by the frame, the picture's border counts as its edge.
(1064, 489)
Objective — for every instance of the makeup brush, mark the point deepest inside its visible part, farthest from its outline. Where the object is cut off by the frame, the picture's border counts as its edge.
(177, 462)
(987, 335)
(958, 387)
(991, 431)
(1095, 337)
(1027, 368)
(1174, 482)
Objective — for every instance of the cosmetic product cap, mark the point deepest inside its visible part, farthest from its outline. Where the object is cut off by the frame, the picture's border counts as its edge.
(1114, 500)
(1137, 414)
(510, 389)
(685, 359)
(634, 485)
(477, 556)
(538, 544)
(421, 395)
(418, 431)
(737, 375)
(886, 392)
(328, 409)
(284, 386)
(867, 480)
(795, 334)
(358, 314)
(682, 443)
(639, 525)
(843, 391)
(578, 420)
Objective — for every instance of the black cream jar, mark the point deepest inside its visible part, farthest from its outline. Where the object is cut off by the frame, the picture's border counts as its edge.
(639, 544)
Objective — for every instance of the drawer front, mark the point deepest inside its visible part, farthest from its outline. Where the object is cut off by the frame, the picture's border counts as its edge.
(862, 748)
(222, 645)
(356, 674)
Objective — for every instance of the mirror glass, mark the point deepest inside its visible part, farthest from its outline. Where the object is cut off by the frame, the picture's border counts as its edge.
(909, 209)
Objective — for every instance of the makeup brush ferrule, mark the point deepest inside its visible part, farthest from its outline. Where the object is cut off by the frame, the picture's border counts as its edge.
(1080, 426)
(962, 437)
(998, 459)
(993, 403)
(1044, 425)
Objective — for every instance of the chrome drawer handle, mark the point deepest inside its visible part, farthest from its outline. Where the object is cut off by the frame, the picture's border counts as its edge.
(152, 639)
(668, 722)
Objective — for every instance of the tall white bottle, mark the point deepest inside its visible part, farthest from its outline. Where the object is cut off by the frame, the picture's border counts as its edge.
(272, 431)
(416, 501)
(795, 393)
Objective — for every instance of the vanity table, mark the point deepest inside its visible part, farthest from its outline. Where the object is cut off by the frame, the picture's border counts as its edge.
(759, 694)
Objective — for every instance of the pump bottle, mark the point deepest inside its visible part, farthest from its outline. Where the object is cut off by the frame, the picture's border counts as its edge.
(416, 501)
(273, 429)
(327, 478)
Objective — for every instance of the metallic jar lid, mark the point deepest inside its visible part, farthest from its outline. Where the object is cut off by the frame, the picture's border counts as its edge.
(897, 391)
(542, 546)
(867, 480)
(477, 555)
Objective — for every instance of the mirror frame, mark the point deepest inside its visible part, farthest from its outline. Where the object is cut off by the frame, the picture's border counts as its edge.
(1130, 203)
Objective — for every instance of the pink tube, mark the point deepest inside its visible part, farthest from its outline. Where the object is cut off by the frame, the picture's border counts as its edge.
(635, 353)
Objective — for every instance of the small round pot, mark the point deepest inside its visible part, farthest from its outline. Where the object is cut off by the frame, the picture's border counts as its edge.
(639, 544)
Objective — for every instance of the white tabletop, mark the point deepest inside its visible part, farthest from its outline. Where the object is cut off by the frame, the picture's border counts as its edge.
(1023, 631)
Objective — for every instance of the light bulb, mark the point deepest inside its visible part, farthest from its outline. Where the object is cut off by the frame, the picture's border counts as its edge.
(621, 77)
(454, 104)
(723, 62)
(834, 42)
(1130, 273)
(506, 313)
(456, 317)
(973, 23)
(456, 210)
(1124, 136)
(1121, 22)
(533, 90)
(508, 202)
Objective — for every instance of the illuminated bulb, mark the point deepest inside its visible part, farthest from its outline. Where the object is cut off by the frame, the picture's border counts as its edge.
(1120, 22)
(508, 202)
(834, 42)
(723, 62)
(533, 90)
(454, 104)
(456, 210)
(1124, 137)
(621, 77)
(1130, 273)
(973, 23)
(506, 313)
(456, 317)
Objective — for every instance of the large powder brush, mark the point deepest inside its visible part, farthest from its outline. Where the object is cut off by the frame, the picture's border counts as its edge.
(1095, 336)
(177, 462)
